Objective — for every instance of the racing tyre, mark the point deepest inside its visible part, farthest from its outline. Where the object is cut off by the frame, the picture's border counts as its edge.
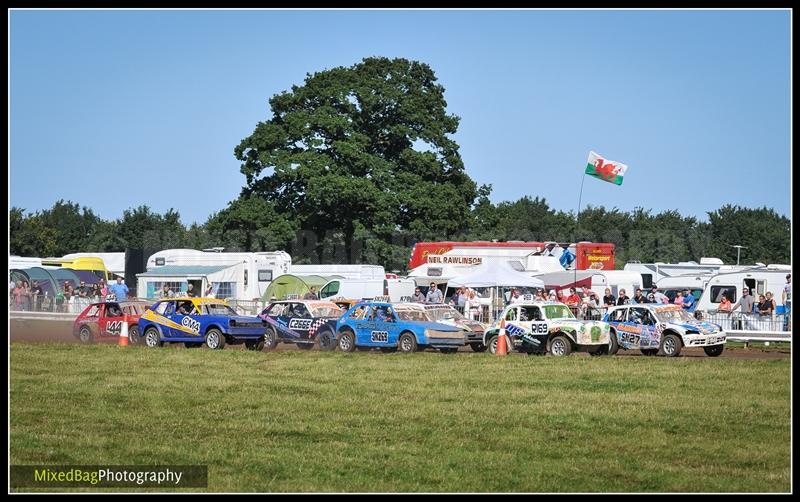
(133, 335)
(347, 341)
(152, 338)
(305, 346)
(559, 346)
(613, 343)
(215, 340)
(270, 338)
(448, 350)
(257, 345)
(407, 342)
(478, 347)
(492, 345)
(85, 335)
(649, 352)
(326, 340)
(714, 350)
(671, 345)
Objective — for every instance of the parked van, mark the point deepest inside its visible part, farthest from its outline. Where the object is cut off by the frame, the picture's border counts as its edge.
(397, 290)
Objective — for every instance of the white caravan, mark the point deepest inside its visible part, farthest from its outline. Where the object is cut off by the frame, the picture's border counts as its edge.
(759, 280)
(241, 276)
(652, 273)
(346, 271)
(398, 290)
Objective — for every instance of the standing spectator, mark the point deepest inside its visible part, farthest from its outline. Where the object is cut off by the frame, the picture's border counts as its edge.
(771, 299)
(454, 298)
(462, 300)
(69, 292)
(608, 299)
(96, 293)
(17, 293)
(623, 298)
(651, 298)
(724, 304)
(659, 296)
(27, 297)
(638, 297)
(746, 302)
(120, 290)
(103, 289)
(166, 292)
(573, 300)
(552, 296)
(38, 295)
(540, 295)
(190, 291)
(84, 291)
(312, 294)
(418, 297)
(766, 305)
(678, 298)
(209, 291)
(11, 287)
(688, 299)
(786, 298)
(59, 298)
(434, 295)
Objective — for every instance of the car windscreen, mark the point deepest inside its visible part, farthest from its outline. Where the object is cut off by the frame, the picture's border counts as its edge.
(326, 312)
(412, 315)
(558, 312)
(673, 314)
(439, 314)
(218, 309)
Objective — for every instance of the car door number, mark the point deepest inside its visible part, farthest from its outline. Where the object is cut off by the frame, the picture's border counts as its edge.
(380, 336)
(300, 324)
(114, 327)
(191, 324)
(630, 338)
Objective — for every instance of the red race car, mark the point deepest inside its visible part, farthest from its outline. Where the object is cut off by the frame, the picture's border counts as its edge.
(104, 320)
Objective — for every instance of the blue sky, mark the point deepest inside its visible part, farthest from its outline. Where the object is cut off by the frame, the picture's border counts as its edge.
(114, 109)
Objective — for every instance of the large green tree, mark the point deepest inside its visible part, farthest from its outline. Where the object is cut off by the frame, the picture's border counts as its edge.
(362, 149)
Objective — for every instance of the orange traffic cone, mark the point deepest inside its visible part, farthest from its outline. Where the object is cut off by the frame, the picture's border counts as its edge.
(502, 349)
(123, 334)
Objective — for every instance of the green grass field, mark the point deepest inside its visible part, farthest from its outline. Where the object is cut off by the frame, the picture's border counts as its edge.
(299, 421)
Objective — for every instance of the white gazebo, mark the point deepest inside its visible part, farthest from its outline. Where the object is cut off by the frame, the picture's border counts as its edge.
(496, 275)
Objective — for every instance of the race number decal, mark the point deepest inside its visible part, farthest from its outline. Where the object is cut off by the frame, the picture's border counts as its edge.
(380, 336)
(630, 338)
(190, 323)
(114, 327)
(539, 328)
(405, 298)
(300, 324)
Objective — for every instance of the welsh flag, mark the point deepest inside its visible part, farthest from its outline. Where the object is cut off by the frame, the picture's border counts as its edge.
(606, 170)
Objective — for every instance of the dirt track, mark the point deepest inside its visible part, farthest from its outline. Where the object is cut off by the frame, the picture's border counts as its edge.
(38, 331)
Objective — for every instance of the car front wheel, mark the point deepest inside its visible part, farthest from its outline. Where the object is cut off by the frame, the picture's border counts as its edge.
(85, 335)
(152, 338)
(671, 345)
(215, 340)
(133, 335)
(407, 343)
(560, 346)
(270, 338)
(347, 341)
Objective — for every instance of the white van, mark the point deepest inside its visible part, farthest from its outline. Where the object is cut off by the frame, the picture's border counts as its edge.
(398, 290)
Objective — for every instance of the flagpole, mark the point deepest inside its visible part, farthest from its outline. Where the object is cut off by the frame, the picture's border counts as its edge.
(577, 218)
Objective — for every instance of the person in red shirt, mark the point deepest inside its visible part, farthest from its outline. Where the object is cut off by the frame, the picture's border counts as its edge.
(573, 300)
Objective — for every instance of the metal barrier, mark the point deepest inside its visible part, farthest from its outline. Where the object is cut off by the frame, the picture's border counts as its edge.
(247, 307)
(746, 328)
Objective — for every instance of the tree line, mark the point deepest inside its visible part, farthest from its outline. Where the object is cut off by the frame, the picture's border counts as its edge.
(357, 164)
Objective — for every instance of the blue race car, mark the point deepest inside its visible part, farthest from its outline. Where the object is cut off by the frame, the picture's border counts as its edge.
(657, 328)
(195, 321)
(379, 324)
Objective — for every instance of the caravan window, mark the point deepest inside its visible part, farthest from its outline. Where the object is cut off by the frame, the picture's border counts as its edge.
(264, 275)
(718, 291)
(647, 281)
(329, 290)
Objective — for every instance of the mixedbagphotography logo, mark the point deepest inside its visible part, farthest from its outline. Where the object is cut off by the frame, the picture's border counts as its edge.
(109, 476)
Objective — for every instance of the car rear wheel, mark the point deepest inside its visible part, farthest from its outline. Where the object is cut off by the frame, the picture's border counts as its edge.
(560, 346)
(326, 340)
(270, 338)
(671, 345)
(407, 343)
(152, 338)
(133, 335)
(85, 335)
(215, 340)
(714, 350)
(347, 341)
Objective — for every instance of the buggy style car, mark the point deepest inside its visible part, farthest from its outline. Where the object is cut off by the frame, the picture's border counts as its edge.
(537, 327)
(664, 329)
(303, 322)
(379, 325)
(195, 321)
